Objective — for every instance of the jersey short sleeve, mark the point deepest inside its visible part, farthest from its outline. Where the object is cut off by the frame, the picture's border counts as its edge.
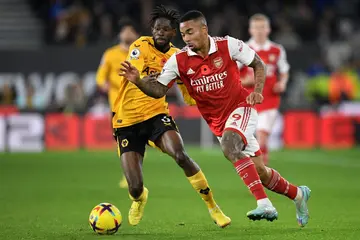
(282, 63)
(169, 72)
(240, 51)
(103, 70)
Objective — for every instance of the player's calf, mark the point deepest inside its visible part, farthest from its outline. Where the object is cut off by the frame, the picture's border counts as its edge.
(233, 145)
(262, 137)
(186, 163)
(263, 171)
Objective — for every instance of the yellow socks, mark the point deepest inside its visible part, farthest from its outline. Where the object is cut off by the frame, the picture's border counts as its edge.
(140, 198)
(200, 184)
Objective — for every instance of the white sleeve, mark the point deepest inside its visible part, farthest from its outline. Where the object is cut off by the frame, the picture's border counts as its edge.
(282, 63)
(170, 71)
(240, 51)
(239, 65)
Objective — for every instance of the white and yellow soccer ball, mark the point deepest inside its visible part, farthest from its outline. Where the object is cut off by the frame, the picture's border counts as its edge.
(105, 219)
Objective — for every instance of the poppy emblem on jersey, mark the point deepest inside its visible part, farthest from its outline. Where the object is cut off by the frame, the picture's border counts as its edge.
(163, 61)
(124, 143)
(205, 70)
(218, 62)
(272, 58)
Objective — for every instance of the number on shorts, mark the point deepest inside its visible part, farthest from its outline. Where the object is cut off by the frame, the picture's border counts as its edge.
(236, 116)
(166, 119)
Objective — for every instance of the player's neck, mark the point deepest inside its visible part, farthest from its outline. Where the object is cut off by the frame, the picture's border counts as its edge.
(204, 52)
(124, 46)
(162, 49)
(261, 42)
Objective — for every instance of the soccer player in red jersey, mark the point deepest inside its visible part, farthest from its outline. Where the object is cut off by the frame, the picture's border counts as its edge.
(277, 75)
(208, 69)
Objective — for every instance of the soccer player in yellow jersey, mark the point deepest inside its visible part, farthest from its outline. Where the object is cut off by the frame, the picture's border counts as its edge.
(139, 118)
(107, 77)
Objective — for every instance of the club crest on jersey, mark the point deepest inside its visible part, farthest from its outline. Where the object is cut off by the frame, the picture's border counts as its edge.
(272, 58)
(218, 62)
(205, 70)
(135, 53)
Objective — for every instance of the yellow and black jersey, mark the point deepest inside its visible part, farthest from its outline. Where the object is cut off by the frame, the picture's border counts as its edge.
(132, 105)
(107, 72)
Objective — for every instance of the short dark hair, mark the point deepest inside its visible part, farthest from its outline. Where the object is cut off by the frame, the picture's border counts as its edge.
(164, 12)
(193, 15)
(127, 22)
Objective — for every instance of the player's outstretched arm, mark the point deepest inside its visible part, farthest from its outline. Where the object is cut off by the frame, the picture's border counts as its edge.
(149, 84)
(259, 73)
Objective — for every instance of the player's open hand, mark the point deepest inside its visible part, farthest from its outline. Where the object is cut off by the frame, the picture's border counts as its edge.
(279, 87)
(129, 72)
(254, 98)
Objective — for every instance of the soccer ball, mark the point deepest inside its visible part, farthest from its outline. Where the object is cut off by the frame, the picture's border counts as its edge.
(105, 218)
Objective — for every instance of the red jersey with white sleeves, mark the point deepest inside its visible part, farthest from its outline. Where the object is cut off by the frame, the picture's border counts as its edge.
(274, 56)
(213, 81)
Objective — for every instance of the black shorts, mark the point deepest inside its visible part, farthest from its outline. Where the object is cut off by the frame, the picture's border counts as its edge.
(134, 138)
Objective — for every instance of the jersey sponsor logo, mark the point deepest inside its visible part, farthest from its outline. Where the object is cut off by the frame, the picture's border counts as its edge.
(190, 71)
(218, 62)
(209, 83)
(149, 71)
(135, 54)
(270, 70)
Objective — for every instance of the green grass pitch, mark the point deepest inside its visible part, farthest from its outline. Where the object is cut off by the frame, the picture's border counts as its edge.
(49, 196)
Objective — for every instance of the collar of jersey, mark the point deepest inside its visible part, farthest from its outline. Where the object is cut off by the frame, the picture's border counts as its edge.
(257, 47)
(213, 47)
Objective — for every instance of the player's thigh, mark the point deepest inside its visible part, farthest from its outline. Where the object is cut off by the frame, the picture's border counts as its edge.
(243, 121)
(131, 148)
(165, 134)
(129, 139)
(266, 120)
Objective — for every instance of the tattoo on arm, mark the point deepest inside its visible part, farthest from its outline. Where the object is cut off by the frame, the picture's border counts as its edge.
(259, 73)
(151, 87)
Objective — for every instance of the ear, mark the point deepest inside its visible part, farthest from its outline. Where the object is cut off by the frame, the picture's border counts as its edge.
(205, 29)
(174, 32)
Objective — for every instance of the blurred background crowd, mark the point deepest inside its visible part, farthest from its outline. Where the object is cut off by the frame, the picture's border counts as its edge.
(324, 30)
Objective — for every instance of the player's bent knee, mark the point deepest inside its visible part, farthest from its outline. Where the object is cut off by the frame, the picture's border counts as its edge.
(232, 146)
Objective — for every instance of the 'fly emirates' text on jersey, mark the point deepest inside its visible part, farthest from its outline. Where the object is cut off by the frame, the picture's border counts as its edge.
(213, 81)
(274, 56)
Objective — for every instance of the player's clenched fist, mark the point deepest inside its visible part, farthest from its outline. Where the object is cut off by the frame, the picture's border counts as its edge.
(129, 72)
(254, 98)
